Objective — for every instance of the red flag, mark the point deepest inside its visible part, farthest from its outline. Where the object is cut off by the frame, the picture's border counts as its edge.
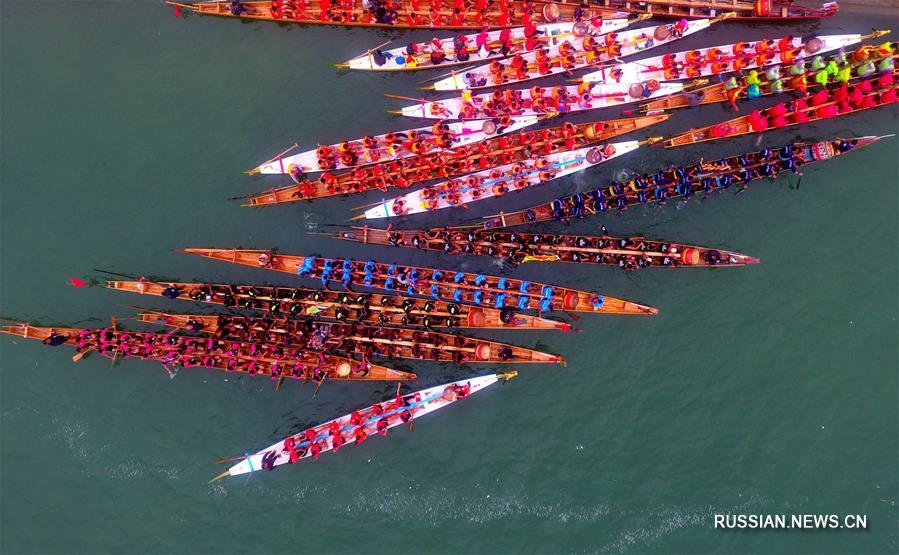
(627, 112)
(177, 10)
(77, 282)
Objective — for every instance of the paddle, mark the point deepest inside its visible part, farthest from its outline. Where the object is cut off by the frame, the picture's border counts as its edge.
(401, 97)
(314, 393)
(231, 459)
(346, 64)
(447, 74)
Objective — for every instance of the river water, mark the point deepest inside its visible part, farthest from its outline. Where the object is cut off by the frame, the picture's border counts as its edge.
(769, 389)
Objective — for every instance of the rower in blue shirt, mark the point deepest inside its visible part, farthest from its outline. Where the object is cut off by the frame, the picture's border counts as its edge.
(546, 304)
(307, 267)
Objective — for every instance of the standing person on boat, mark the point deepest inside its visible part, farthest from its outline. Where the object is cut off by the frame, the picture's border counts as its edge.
(237, 8)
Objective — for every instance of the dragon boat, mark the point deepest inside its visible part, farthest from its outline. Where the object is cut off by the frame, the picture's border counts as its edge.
(344, 338)
(345, 306)
(477, 14)
(825, 104)
(721, 59)
(483, 46)
(360, 425)
(568, 56)
(374, 149)
(560, 100)
(411, 14)
(250, 358)
(682, 182)
(629, 253)
(499, 181)
(506, 149)
(460, 287)
(800, 78)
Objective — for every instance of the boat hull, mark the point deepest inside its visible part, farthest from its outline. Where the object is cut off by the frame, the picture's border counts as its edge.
(430, 400)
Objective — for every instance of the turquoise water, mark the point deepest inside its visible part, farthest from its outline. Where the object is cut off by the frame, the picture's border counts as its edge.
(769, 389)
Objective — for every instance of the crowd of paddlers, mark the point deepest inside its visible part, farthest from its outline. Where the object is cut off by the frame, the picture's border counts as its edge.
(365, 311)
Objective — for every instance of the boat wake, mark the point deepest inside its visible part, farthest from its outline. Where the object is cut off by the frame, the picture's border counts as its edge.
(441, 505)
(666, 521)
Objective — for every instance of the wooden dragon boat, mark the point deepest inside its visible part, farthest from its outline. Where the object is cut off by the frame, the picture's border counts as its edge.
(344, 306)
(798, 78)
(411, 14)
(570, 56)
(721, 59)
(488, 154)
(497, 182)
(866, 94)
(354, 339)
(535, 101)
(374, 149)
(251, 358)
(460, 287)
(486, 45)
(757, 10)
(681, 182)
(629, 253)
(359, 426)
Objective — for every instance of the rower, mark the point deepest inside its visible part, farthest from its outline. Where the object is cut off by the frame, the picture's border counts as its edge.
(336, 441)
(171, 292)
(582, 10)
(406, 417)
(55, 339)
(359, 435)
(379, 57)
(268, 460)
(236, 8)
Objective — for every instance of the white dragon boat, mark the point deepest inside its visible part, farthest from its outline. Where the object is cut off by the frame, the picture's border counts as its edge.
(536, 102)
(418, 55)
(395, 145)
(570, 56)
(496, 182)
(361, 425)
(717, 60)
